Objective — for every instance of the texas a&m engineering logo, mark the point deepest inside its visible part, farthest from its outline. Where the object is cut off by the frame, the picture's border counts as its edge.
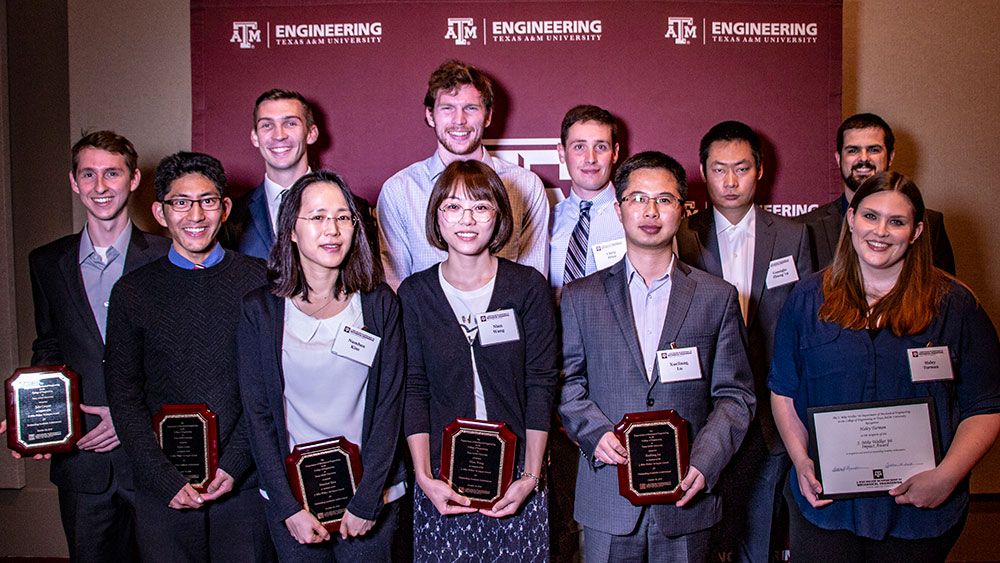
(246, 34)
(681, 30)
(461, 30)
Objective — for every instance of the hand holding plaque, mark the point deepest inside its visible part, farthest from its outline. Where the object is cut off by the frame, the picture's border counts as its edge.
(477, 460)
(43, 409)
(189, 436)
(657, 449)
(324, 476)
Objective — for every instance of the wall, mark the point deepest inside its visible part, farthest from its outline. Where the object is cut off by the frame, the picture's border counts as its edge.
(931, 69)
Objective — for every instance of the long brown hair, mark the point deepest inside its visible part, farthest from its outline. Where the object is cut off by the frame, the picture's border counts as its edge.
(911, 304)
(361, 269)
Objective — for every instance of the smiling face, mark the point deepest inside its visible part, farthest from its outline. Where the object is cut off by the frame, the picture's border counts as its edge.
(863, 155)
(471, 231)
(650, 226)
(882, 229)
(731, 175)
(323, 244)
(459, 119)
(282, 136)
(588, 156)
(194, 232)
(103, 182)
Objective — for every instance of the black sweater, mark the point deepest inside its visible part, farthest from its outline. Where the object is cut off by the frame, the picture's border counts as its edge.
(171, 339)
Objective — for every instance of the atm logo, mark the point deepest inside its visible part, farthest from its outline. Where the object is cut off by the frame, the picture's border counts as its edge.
(246, 34)
(461, 30)
(681, 30)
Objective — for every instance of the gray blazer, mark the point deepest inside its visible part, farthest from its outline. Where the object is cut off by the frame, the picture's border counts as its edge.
(606, 378)
(774, 237)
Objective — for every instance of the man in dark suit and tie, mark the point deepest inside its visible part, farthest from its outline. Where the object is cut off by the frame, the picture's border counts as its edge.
(763, 255)
(615, 323)
(283, 128)
(865, 147)
(71, 281)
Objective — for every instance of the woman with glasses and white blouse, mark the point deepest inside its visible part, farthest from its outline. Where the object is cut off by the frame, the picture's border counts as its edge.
(299, 385)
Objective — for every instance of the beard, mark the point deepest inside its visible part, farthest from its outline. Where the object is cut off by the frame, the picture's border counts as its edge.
(854, 182)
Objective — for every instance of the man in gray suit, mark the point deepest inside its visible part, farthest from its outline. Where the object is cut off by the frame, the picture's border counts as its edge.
(763, 255)
(614, 322)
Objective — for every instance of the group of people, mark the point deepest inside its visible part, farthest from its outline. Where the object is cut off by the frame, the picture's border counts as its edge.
(779, 315)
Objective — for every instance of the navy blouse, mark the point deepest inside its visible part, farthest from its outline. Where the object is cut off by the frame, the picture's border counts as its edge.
(820, 363)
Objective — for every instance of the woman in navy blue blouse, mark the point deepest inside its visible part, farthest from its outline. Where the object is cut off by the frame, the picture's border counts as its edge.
(844, 337)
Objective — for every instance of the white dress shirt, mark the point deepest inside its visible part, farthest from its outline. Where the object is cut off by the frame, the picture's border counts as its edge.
(736, 252)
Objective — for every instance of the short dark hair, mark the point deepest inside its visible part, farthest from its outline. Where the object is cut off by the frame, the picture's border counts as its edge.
(481, 183)
(866, 121)
(360, 270)
(588, 113)
(451, 76)
(183, 163)
(649, 159)
(279, 94)
(729, 131)
(111, 142)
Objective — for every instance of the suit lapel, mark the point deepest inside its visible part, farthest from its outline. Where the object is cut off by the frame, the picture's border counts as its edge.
(762, 247)
(138, 253)
(260, 217)
(681, 295)
(69, 266)
(836, 224)
(616, 288)
(708, 242)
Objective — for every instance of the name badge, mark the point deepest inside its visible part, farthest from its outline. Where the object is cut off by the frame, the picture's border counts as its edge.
(932, 363)
(497, 327)
(678, 364)
(356, 344)
(608, 253)
(781, 272)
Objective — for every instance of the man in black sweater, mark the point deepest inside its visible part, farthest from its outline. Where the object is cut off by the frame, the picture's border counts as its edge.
(172, 340)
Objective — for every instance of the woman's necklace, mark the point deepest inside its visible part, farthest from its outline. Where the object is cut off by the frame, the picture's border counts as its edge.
(302, 305)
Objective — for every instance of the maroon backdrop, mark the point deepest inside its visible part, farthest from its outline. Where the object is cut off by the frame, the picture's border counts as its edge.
(667, 70)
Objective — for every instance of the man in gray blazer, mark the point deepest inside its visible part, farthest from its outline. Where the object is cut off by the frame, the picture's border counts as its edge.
(763, 255)
(614, 322)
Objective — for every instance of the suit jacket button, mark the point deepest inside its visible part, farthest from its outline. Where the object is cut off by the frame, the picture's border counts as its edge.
(650, 401)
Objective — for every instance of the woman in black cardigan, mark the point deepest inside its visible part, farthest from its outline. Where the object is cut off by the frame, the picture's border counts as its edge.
(452, 373)
(298, 386)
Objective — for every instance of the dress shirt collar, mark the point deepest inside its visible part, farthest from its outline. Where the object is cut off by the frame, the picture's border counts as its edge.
(631, 274)
(437, 165)
(746, 224)
(601, 201)
(181, 262)
(305, 328)
(120, 245)
(273, 190)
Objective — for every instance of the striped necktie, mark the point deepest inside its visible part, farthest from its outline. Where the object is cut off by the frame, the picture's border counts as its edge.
(576, 254)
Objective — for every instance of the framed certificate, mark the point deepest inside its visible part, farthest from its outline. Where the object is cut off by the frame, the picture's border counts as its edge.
(477, 460)
(43, 410)
(866, 449)
(656, 445)
(189, 436)
(324, 476)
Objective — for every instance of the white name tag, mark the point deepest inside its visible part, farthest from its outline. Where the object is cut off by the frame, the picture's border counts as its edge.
(356, 344)
(497, 327)
(932, 363)
(781, 272)
(608, 253)
(679, 364)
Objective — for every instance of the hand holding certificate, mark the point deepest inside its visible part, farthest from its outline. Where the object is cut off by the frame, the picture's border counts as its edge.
(867, 449)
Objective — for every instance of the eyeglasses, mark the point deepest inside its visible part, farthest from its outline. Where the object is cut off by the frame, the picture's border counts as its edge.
(183, 204)
(344, 220)
(453, 212)
(642, 200)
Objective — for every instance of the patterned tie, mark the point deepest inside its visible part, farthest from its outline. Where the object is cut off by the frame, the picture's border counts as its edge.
(199, 266)
(576, 254)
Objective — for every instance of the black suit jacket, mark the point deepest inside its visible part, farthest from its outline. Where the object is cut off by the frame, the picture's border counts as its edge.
(825, 222)
(67, 333)
(774, 237)
(262, 387)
